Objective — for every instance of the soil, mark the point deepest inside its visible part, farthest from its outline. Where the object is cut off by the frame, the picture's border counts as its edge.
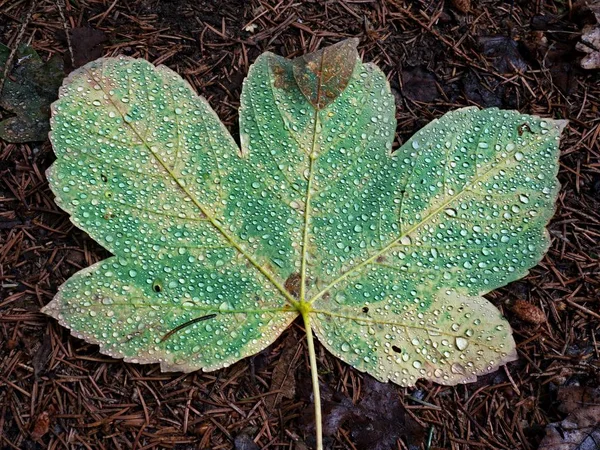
(58, 392)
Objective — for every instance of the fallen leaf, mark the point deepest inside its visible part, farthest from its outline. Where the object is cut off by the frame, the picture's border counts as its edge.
(527, 312)
(590, 44)
(244, 442)
(572, 398)
(283, 380)
(377, 421)
(87, 44)
(579, 431)
(30, 87)
(419, 85)
(41, 357)
(479, 93)
(589, 13)
(503, 52)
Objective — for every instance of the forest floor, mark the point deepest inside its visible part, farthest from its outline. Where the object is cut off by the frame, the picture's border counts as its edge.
(57, 392)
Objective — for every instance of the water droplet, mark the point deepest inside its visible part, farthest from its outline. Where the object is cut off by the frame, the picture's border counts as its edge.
(461, 343)
(450, 212)
(405, 240)
(519, 156)
(457, 368)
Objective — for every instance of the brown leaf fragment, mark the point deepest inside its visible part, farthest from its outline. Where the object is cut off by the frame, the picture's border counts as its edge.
(42, 423)
(527, 312)
(480, 93)
(579, 431)
(419, 85)
(503, 53)
(88, 44)
(590, 44)
(283, 381)
(590, 33)
(323, 75)
(376, 422)
(463, 6)
(292, 284)
(30, 88)
(572, 398)
(244, 442)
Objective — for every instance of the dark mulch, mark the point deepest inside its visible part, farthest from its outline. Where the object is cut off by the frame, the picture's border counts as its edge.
(64, 393)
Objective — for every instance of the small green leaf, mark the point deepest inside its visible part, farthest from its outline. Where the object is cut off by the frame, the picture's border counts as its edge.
(30, 87)
(217, 249)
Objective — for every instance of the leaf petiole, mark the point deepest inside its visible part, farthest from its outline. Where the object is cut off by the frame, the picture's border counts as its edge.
(305, 312)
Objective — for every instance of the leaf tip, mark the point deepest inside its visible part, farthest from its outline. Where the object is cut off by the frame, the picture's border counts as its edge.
(560, 125)
(323, 75)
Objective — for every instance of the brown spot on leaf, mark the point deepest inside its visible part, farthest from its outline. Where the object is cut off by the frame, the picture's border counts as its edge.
(281, 78)
(522, 128)
(292, 284)
(323, 75)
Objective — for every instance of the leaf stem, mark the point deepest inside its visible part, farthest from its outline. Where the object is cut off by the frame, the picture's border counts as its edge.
(315, 378)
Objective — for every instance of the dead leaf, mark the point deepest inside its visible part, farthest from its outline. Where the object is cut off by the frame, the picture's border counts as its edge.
(503, 52)
(590, 35)
(377, 421)
(480, 94)
(590, 44)
(284, 378)
(30, 88)
(572, 398)
(87, 44)
(244, 442)
(419, 85)
(579, 431)
(41, 357)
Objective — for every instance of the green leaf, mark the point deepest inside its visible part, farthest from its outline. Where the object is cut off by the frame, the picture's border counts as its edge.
(30, 87)
(386, 255)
